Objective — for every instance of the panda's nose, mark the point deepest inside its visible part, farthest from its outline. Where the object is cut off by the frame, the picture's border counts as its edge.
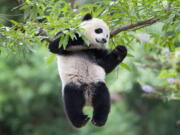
(104, 40)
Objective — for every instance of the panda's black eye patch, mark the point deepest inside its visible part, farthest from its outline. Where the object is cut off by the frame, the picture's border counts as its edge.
(99, 30)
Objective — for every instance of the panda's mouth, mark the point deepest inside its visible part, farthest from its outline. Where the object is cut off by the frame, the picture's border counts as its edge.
(98, 41)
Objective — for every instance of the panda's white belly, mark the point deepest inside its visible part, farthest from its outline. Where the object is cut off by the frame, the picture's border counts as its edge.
(79, 69)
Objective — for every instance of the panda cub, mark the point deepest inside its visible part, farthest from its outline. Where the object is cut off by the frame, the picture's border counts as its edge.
(82, 70)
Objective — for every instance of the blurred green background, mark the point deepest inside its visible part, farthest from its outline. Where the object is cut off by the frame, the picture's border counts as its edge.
(31, 103)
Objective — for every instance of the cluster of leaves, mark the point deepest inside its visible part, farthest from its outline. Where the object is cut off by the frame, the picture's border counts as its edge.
(44, 18)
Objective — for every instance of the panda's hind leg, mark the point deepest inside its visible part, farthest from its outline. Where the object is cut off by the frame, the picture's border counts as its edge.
(74, 102)
(101, 104)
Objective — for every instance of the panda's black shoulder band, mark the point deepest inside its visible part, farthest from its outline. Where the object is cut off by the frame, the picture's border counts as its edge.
(87, 17)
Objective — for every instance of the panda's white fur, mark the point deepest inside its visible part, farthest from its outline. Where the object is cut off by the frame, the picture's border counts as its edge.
(79, 69)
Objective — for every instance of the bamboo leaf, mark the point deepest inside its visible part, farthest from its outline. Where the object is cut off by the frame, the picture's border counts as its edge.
(125, 67)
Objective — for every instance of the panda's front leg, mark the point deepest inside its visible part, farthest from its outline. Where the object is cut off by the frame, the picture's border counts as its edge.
(111, 60)
(74, 102)
(101, 104)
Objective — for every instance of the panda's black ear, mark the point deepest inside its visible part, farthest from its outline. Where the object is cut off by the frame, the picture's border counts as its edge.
(87, 17)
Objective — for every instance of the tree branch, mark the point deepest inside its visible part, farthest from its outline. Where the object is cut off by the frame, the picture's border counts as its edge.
(139, 24)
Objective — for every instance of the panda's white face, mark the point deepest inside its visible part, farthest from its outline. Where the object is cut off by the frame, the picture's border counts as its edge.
(97, 32)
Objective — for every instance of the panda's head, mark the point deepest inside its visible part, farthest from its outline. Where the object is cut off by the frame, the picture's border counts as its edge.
(96, 31)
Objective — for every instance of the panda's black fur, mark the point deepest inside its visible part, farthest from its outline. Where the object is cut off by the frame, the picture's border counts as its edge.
(82, 73)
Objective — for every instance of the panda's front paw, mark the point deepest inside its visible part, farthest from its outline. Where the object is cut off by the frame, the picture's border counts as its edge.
(120, 51)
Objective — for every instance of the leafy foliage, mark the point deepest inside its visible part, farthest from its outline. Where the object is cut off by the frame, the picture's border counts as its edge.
(59, 16)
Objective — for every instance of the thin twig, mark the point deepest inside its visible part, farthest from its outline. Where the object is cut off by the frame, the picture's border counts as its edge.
(10, 15)
(133, 25)
(20, 5)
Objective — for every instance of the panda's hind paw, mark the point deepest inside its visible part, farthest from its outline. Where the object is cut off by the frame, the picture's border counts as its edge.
(98, 123)
(80, 121)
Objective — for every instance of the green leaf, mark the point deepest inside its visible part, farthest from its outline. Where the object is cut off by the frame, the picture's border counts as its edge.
(65, 41)
(130, 55)
(14, 22)
(125, 67)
